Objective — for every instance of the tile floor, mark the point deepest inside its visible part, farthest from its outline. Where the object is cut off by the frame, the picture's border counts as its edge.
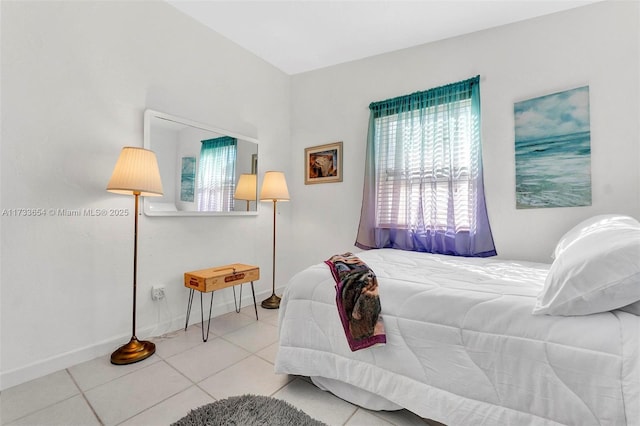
(183, 374)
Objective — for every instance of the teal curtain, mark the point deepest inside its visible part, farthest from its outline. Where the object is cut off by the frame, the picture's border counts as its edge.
(423, 187)
(216, 174)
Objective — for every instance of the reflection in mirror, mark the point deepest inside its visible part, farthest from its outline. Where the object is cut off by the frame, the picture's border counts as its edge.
(204, 170)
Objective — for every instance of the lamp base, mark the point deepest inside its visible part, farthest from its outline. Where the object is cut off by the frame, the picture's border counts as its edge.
(273, 302)
(133, 351)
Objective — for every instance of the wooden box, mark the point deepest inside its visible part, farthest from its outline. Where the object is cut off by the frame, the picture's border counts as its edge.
(206, 280)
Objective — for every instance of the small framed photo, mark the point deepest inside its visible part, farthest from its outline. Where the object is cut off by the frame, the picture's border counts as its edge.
(323, 163)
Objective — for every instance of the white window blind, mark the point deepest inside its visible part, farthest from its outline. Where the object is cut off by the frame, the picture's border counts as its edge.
(420, 156)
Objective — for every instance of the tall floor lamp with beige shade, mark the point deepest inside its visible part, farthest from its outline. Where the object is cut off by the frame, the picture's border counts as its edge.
(274, 188)
(136, 173)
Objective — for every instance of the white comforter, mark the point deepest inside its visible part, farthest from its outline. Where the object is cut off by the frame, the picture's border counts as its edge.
(462, 346)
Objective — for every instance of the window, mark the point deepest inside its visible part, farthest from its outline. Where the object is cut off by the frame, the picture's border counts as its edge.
(423, 183)
(216, 174)
(415, 171)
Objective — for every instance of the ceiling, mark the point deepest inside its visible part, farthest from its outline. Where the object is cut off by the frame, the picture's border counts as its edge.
(298, 36)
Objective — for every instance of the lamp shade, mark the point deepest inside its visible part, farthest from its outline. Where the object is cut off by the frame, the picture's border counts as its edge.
(246, 188)
(136, 171)
(274, 187)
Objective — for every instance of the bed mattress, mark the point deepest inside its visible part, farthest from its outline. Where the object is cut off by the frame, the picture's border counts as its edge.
(463, 347)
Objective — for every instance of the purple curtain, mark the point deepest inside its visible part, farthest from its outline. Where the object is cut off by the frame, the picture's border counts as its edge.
(423, 188)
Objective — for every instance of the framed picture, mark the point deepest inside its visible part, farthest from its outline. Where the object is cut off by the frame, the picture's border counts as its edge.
(323, 163)
(254, 164)
(553, 150)
(187, 179)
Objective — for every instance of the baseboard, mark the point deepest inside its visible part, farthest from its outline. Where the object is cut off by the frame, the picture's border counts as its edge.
(65, 360)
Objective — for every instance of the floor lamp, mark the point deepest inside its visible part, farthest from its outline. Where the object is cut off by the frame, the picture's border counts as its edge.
(136, 173)
(246, 188)
(274, 188)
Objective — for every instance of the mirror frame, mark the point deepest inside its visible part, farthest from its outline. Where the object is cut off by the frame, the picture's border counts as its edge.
(149, 115)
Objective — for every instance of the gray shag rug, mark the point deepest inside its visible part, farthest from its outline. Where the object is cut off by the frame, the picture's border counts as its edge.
(248, 410)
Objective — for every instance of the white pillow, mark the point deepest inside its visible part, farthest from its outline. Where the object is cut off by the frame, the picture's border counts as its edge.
(600, 223)
(597, 269)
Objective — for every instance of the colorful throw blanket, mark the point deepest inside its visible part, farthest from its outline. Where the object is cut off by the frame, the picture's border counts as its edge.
(357, 300)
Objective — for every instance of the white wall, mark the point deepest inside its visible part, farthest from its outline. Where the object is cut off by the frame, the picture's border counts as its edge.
(76, 79)
(596, 45)
(166, 150)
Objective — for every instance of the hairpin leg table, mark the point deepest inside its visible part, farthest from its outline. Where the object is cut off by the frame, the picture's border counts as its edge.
(217, 278)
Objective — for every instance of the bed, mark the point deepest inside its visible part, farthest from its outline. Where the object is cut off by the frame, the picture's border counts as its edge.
(474, 341)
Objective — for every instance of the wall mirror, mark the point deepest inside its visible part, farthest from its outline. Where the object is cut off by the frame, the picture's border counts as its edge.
(205, 170)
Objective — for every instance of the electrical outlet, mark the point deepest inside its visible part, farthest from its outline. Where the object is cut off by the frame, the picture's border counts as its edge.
(157, 292)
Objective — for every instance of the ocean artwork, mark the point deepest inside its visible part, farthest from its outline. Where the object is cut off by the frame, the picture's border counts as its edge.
(187, 179)
(553, 150)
